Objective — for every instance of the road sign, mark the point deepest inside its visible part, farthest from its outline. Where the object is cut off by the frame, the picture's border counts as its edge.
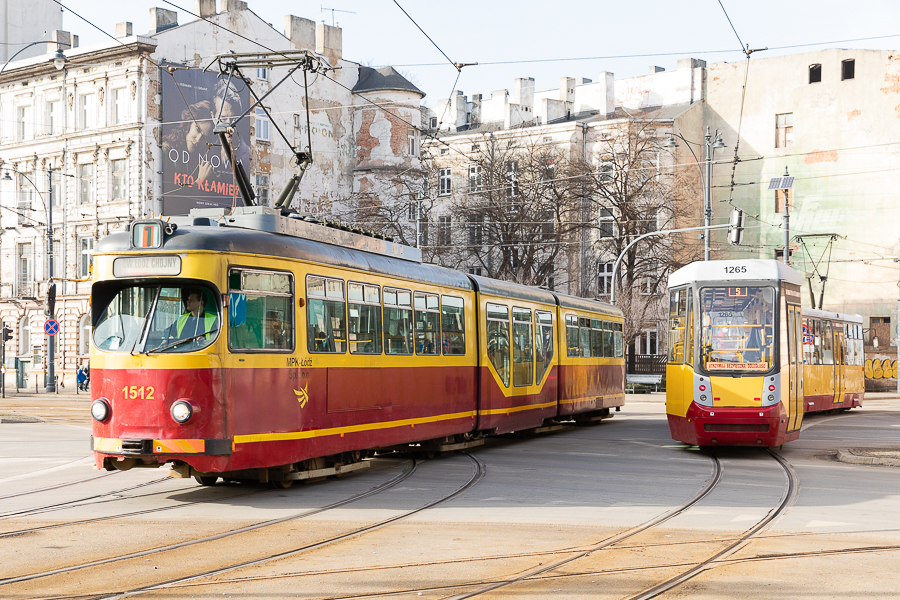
(51, 327)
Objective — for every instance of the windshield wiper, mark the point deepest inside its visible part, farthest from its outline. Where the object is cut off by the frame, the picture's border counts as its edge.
(178, 343)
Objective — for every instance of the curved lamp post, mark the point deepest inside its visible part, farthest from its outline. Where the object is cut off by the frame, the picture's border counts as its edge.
(59, 59)
(712, 142)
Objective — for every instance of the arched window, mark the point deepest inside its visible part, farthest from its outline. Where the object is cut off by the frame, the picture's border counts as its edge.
(84, 335)
(24, 336)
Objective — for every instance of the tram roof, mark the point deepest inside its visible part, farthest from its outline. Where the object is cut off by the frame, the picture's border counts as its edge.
(722, 270)
(834, 316)
(245, 241)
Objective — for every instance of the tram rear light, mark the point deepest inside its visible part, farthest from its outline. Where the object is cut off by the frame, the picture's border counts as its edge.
(771, 389)
(100, 410)
(702, 388)
(182, 411)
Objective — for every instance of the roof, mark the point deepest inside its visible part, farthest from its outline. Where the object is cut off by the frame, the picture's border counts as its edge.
(385, 78)
(827, 314)
(734, 270)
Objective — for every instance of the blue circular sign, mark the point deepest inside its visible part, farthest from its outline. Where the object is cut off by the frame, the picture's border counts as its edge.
(51, 327)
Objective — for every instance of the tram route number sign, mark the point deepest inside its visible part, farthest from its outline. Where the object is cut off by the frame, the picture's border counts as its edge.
(51, 327)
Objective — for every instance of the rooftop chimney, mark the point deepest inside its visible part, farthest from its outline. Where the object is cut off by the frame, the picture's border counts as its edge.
(233, 5)
(301, 32)
(63, 38)
(328, 42)
(162, 19)
(205, 8)
(123, 29)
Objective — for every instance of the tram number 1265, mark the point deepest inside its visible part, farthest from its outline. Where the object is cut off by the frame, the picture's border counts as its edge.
(734, 270)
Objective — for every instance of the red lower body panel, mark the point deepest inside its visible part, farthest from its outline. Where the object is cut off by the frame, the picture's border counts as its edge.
(705, 426)
(822, 403)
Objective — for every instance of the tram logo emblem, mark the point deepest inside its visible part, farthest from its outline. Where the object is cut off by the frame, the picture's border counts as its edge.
(302, 396)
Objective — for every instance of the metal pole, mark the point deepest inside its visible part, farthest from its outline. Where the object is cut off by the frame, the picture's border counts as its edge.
(612, 295)
(897, 330)
(418, 223)
(707, 196)
(787, 232)
(51, 377)
(3, 363)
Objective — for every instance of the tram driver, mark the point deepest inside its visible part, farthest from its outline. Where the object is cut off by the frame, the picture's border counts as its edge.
(196, 320)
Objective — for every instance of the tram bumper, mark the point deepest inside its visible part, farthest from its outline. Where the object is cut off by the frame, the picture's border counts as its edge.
(126, 453)
(731, 426)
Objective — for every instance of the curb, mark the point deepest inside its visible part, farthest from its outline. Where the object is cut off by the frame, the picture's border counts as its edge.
(870, 456)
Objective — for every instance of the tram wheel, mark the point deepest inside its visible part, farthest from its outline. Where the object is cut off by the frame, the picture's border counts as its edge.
(207, 481)
(284, 484)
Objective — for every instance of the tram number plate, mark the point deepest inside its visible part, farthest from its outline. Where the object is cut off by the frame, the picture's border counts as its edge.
(132, 392)
(734, 270)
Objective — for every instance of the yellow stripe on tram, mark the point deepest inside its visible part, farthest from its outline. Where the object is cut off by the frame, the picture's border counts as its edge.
(512, 409)
(314, 433)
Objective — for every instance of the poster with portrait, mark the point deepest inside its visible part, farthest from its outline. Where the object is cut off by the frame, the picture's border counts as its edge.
(197, 172)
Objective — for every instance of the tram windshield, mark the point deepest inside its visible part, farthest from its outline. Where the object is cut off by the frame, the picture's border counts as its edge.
(737, 331)
(158, 318)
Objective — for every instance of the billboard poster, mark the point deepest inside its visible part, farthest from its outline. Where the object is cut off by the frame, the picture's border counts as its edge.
(197, 172)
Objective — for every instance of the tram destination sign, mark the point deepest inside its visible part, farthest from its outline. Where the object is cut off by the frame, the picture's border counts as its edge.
(142, 266)
(724, 366)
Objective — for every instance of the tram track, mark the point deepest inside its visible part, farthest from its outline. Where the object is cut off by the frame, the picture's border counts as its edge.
(60, 485)
(219, 536)
(477, 474)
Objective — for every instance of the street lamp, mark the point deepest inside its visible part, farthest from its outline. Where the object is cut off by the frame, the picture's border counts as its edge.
(712, 142)
(59, 59)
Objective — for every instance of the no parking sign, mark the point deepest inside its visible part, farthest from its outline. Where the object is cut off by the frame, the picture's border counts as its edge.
(51, 327)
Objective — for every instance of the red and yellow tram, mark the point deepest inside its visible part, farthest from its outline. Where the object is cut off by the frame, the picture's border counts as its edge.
(257, 346)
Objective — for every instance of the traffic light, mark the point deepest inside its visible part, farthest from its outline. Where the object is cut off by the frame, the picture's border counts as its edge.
(51, 299)
(7, 333)
(736, 232)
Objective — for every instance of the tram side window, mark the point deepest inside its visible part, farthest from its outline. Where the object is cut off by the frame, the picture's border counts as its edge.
(572, 347)
(543, 342)
(523, 351)
(859, 354)
(260, 310)
(325, 320)
(453, 340)
(364, 318)
(619, 339)
(597, 338)
(427, 323)
(498, 340)
(398, 321)
(584, 325)
(677, 317)
(609, 339)
(827, 344)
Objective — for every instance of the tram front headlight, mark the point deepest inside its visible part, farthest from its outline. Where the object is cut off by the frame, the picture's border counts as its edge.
(100, 410)
(182, 411)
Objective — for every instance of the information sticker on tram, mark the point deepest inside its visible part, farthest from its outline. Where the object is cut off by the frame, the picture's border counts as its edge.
(146, 235)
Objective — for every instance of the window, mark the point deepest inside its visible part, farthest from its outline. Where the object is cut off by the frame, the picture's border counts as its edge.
(262, 190)
(646, 342)
(651, 278)
(815, 73)
(86, 110)
(119, 107)
(433, 122)
(512, 180)
(606, 223)
(325, 320)
(475, 227)
(24, 336)
(444, 182)
(261, 310)
(779, 200)
(498, 340)
(475, 271)
(475, 180)
(453, 340)
(119, 178)
(543, 343)
(398, 326)
(24, 199)
(427, 314)
(262, 73)
(84, 335)
(54, 117)
(572, 340)
(597, 338)
(86, 183)
(85, 251)
(784, 130)
(605, 278)
(678, 300)
(619, 339)
(736, 328)
(523, 347)
(413, 139)
(443, 231)
(23, 122)
(25, 269)
(56, 189)
(848, 69)
(364, 318)
(607, 170)
(413, 209)
(584, 337)
(262, 125)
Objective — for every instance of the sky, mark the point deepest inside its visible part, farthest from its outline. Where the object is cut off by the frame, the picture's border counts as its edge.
(571, 39)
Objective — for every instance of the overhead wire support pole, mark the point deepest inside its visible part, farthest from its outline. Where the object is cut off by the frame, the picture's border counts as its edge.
(612, 296)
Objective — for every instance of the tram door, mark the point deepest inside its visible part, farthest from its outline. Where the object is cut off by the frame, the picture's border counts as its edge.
(838, 364)
(795, 367)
